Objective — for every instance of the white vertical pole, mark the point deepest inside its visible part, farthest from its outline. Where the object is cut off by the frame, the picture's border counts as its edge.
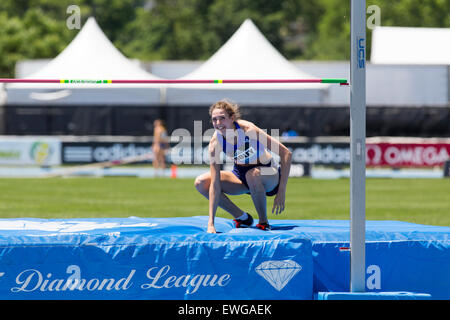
(357, 145)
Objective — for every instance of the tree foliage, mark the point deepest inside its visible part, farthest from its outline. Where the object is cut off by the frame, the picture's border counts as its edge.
(195, 29)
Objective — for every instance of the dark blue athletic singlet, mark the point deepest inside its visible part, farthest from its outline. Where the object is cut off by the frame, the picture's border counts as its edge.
(247, 151)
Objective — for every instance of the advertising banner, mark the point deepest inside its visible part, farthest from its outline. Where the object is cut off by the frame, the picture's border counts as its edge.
(407, 154)
(161, 259)
(196, 153)
(30, 151)
(91, 152)
(328, 154)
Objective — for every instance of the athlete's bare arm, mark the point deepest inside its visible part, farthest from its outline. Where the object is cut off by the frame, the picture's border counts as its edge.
(215, 187)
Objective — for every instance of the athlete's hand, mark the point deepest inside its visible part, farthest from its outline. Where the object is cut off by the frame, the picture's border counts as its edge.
(211, 229)
(278, 202)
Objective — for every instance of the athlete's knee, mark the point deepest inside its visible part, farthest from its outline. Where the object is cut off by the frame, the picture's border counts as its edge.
(254, 181)
(201, 183)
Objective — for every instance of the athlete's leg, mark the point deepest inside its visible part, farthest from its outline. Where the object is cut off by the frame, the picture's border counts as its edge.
(261, 180)
(156, 161)
(230, 184)
(161, 159)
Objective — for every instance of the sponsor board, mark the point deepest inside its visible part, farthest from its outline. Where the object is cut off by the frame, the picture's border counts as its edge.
(91, 152)
(407, 154)
(138, 258)
(328, 154)
(51, 152)
(30, 151)
(72, 279)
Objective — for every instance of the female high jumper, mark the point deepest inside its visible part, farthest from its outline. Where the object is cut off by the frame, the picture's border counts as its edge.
(254, 171)
(160, 146)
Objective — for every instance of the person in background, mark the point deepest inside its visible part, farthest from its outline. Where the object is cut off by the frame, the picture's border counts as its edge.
(160, 146)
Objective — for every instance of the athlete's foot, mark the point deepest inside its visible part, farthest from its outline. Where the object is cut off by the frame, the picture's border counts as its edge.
(264, 226)
(240, 223)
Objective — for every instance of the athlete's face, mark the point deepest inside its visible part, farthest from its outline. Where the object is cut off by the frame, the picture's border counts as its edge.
(221, 120)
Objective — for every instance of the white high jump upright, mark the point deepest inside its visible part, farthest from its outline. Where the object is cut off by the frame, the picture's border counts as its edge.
(357, 145)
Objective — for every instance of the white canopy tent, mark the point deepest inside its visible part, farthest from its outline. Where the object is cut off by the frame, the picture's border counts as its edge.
(247, 55)
(401, 45)
(89, 56)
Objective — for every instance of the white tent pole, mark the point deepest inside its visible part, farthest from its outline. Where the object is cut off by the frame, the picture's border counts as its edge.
(163, 95)
(357, 145)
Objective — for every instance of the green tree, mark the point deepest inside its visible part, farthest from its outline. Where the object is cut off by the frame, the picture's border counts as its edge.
(34, 36)
(333, 32)
(410, 13)
(11, 42)
(33, 29)
(195, 29)
(170, 30)
(112, 15)
(333, 28)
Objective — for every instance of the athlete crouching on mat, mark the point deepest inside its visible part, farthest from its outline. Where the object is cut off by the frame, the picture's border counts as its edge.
(254, 170)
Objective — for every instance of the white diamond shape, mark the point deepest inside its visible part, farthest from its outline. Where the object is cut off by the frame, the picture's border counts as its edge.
(278, 272)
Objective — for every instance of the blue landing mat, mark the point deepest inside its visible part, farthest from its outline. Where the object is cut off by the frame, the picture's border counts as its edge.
(372, 296)
(174, 258)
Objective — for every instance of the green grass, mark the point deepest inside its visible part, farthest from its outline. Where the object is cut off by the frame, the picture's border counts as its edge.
(423, 201)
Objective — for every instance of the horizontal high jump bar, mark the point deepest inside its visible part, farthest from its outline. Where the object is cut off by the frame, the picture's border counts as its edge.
(174, 81)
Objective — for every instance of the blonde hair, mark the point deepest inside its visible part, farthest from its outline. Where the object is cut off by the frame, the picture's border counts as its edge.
(229, 107)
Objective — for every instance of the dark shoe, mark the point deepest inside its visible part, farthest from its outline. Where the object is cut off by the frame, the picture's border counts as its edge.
(238, 223)
(264, 226)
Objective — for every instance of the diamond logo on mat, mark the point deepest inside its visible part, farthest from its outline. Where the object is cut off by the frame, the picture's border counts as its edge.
(278, 272)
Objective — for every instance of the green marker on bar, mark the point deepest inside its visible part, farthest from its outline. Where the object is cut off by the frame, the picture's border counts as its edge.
(333, 81)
